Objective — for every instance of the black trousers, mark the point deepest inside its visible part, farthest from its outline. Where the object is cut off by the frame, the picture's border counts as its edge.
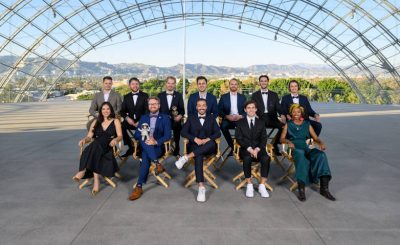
(176, 128)
(127, 139)
(225, 126)
(273, 122)
(200, 151)
(262, 157)
(316, 126)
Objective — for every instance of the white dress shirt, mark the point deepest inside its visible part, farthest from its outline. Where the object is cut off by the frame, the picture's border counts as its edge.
(249, 120)
(201, 119)
(265, 100)
(203, 96)
(169, 98)
(234, 107)
(135, 96)
(106, 95)
(295, 100)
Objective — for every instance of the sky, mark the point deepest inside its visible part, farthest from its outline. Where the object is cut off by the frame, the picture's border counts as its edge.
(216, 43)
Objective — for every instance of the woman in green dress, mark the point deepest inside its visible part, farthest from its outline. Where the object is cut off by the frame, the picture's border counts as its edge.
(311, 164)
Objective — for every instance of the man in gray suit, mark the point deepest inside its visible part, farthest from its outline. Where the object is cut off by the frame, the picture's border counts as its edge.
(107, 94)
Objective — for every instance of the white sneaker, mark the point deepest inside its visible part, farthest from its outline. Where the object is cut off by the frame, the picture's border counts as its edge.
(250, 190)
(181, 161)
(263, 191)
(201, 195)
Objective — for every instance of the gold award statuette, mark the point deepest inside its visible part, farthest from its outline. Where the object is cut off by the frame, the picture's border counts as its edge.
(174, 111)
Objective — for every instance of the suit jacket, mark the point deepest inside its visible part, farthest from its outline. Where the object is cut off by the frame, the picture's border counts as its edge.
(137, 110)
(177, 100)
(114, 98)
(212, 107)
(162, 131)
(193, 128)
(274, 107)
(224, 104)
(287, 101)
(255, 137)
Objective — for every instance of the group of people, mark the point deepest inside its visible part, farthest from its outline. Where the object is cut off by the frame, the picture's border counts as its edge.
(153, 118)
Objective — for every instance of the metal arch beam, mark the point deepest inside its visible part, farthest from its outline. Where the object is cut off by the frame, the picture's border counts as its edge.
(303, 23)
(6, 79)
(11, 9)
(349, 53)
(301, 41)
(286, 16)
(41, 67)
(94, 17)
(234, 16)
(370, 45)
(115, 9)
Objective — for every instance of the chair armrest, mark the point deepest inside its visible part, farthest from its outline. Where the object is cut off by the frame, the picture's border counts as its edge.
(218, 141)
(236, 149)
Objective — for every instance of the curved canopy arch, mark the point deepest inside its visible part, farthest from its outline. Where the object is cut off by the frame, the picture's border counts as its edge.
(347, 36)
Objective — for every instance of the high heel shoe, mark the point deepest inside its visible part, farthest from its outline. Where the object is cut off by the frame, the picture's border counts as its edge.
(76, 179)
(94, 192)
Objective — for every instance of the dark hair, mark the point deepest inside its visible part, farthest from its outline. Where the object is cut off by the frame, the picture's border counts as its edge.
(154, 98)
(250, 102)
(100, 118)
(170, 77)
(234, 79)
(201, 78)
(294, 81)
(107, 78)
(201, 99)
(133, 79)
(266, 76)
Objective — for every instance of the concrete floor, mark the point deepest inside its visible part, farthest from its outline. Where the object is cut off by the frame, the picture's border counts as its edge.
(39, 203)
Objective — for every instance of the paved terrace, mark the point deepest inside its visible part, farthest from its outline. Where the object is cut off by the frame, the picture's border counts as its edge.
(40, 204)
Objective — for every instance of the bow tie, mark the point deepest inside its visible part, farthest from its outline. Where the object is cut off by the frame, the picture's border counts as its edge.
(295, 97)
(264, 92)
(137, 93)
(170, 94)
(153, 115)
(202, 117)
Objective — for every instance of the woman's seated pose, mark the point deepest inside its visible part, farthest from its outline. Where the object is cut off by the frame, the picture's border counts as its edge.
(311, 164)
(97, 158)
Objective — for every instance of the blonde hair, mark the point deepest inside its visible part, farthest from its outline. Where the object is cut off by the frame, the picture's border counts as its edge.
(296, 106)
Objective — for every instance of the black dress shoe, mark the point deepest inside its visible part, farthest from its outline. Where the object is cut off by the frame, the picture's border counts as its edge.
(302, 193)
(176, 153)
(327, 195)
(230, 153)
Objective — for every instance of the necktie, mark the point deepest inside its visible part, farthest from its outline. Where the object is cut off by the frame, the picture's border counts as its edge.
(251, 124)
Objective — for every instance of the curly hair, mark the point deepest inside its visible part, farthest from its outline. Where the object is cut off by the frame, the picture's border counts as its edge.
(296, 106)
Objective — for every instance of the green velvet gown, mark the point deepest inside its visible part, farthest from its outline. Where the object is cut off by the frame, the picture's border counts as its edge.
(310, 164)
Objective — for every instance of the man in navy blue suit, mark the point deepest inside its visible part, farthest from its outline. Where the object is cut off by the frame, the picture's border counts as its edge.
(212, 107)
(172, 104)
(295, 97)
(231, 110)
(201, 130)
(152, 146)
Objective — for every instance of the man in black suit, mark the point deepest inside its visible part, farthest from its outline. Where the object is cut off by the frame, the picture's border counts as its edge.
(295, 97)
(172, 105)
(269, 108)
(201, 130)
(133, 107)
(252, 138)
(230, 108)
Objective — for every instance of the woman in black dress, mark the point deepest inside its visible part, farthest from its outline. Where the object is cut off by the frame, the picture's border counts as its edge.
(97, 158)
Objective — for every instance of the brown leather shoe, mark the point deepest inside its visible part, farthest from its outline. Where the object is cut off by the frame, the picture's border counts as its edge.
(136, 193)
(159, 169)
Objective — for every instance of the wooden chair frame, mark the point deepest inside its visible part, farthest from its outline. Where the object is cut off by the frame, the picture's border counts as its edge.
(255, 169)
(161, 178)
(116, 151)
(208, 161)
